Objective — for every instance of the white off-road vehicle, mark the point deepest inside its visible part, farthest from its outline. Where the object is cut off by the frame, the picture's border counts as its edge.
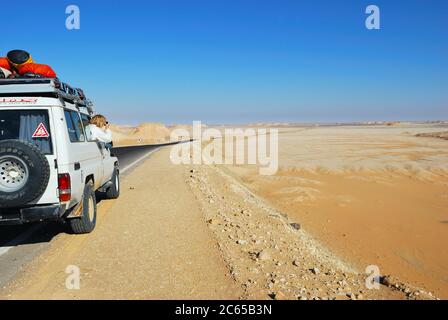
(50, 169)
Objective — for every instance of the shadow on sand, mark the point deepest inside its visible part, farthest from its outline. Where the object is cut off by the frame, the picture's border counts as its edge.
(33, 233)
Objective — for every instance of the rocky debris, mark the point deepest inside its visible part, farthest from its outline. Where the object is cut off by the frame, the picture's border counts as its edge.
(315, 270)
(212, 221)
(278, 296)
(295, 226)
(410, 291)
(352, 296)
(266, 254)
(386, 281)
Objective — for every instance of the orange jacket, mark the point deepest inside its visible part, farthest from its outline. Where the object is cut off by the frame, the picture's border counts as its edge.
(4, 63)
(40, 69)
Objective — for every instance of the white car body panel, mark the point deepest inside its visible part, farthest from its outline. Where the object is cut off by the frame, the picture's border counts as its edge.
(94, 161)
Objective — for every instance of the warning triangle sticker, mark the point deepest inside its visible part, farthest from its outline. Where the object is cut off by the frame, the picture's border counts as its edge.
(41, 132)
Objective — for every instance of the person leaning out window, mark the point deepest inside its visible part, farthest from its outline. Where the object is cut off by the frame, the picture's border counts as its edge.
(99, 130)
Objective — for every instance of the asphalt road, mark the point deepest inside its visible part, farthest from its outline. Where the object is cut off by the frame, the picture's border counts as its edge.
(20, 244)
(130, 156)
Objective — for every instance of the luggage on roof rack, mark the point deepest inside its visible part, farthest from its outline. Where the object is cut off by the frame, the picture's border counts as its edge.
(43, 87)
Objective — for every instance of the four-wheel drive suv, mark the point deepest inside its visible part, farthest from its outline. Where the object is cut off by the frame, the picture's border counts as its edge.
(50, 169)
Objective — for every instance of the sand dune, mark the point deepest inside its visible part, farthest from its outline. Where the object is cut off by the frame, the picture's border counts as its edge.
(145, 133)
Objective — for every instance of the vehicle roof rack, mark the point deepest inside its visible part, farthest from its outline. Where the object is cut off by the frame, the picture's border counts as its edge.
(43, 87)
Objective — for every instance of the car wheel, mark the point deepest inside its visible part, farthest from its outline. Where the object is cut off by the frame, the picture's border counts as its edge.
(86, 223)
(24, 173)
(114, 190)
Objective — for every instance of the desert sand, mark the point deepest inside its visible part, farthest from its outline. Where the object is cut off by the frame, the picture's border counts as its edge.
(373, 195)
(145, 133)
(343, 199)
(196, 233)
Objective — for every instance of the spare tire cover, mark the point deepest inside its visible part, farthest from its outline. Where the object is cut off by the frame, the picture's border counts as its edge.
(24, 173)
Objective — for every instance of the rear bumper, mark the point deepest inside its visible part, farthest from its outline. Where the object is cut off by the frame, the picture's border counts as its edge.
(32, 214)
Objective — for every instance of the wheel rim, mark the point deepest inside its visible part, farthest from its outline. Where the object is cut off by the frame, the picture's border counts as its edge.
(14, 174)
(91, 209)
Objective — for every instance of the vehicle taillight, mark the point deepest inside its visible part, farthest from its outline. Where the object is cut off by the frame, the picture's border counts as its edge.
(64, 185)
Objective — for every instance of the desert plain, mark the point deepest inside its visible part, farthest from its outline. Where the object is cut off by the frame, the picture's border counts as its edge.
(374, 195)
(346, 200)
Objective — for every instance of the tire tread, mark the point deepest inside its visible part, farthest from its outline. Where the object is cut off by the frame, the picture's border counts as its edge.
(83, 225)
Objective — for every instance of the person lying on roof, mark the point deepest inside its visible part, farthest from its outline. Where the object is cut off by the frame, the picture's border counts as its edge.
(21, 64)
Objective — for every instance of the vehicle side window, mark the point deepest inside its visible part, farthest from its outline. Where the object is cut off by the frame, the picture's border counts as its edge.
(74, 126)
(86, 122)
(70, 127)
(78, 126)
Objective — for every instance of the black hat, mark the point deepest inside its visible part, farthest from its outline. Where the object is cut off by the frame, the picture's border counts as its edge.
(18, 57)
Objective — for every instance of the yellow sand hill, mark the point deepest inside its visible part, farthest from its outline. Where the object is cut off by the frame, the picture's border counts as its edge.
(145, 133)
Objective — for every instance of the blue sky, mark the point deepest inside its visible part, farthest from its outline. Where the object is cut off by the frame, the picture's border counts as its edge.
(224, 61)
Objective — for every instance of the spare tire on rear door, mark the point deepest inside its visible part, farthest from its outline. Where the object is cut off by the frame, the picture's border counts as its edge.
(24, 173)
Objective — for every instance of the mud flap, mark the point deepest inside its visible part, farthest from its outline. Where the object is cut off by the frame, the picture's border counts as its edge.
(77, 211)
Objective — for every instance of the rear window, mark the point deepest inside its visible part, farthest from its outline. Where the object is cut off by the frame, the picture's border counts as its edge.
(27, 125)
